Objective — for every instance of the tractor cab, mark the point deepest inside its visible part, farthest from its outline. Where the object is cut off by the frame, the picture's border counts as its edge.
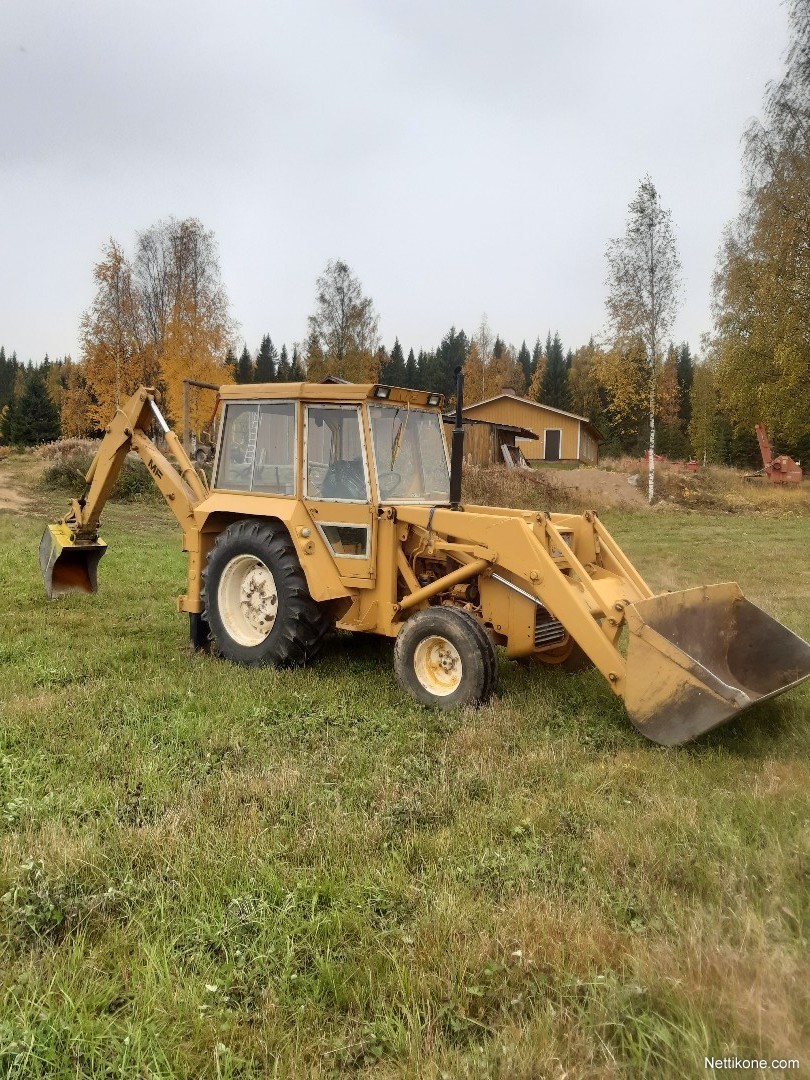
(353, 444)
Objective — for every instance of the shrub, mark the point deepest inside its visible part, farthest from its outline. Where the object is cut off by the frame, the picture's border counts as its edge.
(523, 489)
(60, 449)
(69, 468)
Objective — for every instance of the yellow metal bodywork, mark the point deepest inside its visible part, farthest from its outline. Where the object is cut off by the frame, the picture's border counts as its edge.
(537, 581)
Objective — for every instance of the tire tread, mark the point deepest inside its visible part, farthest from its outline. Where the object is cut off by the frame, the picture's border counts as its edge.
(305, 623)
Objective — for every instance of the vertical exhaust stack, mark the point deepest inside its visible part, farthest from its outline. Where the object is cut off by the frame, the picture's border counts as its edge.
(457, 447)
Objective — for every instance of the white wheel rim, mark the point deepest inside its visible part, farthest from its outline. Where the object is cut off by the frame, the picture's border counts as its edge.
(438, 665)
(247, 600)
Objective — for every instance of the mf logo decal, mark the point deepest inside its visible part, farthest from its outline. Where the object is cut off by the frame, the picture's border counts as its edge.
(154, 469)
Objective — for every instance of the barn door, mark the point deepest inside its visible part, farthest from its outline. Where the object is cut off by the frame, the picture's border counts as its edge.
(552, 444)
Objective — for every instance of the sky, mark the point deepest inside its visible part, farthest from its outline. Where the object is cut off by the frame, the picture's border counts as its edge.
(462, 157)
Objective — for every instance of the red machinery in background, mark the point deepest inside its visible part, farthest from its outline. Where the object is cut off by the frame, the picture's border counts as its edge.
(779, 470)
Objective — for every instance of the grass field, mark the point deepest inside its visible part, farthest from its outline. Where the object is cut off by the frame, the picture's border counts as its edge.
(210, 871)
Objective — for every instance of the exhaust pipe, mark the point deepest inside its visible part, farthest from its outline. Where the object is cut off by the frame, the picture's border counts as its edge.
(457, 448)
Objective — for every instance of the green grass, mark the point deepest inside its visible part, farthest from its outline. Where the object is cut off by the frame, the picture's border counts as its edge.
(212, 871)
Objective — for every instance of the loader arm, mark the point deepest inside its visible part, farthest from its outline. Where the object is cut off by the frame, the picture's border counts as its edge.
(70, 549)
(694, 659)
(564, 564)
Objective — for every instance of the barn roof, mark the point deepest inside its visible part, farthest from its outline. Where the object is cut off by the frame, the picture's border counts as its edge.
(513, 429)
(511, 396)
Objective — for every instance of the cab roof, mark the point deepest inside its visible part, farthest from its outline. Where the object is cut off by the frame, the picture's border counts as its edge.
(330, 392)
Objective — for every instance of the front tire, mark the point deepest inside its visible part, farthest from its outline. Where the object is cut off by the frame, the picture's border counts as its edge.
(444, 657)
(256, 599)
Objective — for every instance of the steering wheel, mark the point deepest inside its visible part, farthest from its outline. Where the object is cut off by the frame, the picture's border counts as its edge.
(345, 480)
(389, 482)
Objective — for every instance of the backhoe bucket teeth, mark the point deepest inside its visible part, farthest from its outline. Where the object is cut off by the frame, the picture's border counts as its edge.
(698, 658)
(68, 565)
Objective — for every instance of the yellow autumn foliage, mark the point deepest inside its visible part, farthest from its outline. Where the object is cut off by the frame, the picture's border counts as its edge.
(155, 321)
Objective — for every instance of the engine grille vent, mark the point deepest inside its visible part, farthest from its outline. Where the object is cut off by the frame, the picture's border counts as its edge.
(547, 631)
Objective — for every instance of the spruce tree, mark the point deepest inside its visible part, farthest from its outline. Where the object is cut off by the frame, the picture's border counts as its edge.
(297, 373)
(266, 361)
(554, 390)
(8, 371)
(437, 371)
(686, 376)
(525, 360)
(284, 366)
(410, 372)
(33, 419)
(424, 369)
(244, 369)
(394, 372)
(537, 355)
(498, 348)
(231, 364)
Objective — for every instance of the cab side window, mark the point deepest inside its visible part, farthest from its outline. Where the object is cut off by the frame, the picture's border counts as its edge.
(258, 448)
(335, 468)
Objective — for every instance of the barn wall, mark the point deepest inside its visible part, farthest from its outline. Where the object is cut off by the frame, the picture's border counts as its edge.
(478, 442)
(588, 447)
(522, 414)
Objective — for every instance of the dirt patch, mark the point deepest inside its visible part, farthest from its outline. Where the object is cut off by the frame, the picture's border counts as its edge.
(11, 498)
(570, 491)
(19, 474)
(607, 488)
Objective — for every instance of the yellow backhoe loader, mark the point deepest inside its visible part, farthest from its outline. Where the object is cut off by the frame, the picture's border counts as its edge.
(339, 506)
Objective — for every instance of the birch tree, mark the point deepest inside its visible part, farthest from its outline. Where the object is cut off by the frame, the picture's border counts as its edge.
(484, 345)
(343, 329)
(115, 358)
(185, 308)
(644, 274)
(157, 320)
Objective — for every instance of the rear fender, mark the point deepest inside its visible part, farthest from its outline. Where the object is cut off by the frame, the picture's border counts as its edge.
(214, 514)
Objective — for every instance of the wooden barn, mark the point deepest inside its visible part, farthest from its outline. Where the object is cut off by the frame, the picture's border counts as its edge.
(488, 443)
(558, 435)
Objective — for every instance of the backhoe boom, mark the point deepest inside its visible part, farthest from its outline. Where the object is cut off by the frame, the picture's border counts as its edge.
(70, 550)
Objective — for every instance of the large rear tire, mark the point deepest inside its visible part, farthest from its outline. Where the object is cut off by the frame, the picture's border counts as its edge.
(444, 657)
(256, 599)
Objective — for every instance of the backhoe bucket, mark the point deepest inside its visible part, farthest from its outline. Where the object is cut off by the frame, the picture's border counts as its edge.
(698, 658)
(68, 565)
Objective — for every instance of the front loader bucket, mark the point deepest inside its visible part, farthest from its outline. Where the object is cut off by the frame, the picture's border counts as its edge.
(698, 658)
(67, 565)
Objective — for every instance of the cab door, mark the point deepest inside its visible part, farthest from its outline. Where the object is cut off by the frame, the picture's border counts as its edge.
(337, 490)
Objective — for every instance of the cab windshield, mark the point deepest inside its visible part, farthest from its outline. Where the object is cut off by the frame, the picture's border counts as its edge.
(409, 454)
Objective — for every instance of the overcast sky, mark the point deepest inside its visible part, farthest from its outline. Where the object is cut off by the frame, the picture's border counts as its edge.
(462, 157)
